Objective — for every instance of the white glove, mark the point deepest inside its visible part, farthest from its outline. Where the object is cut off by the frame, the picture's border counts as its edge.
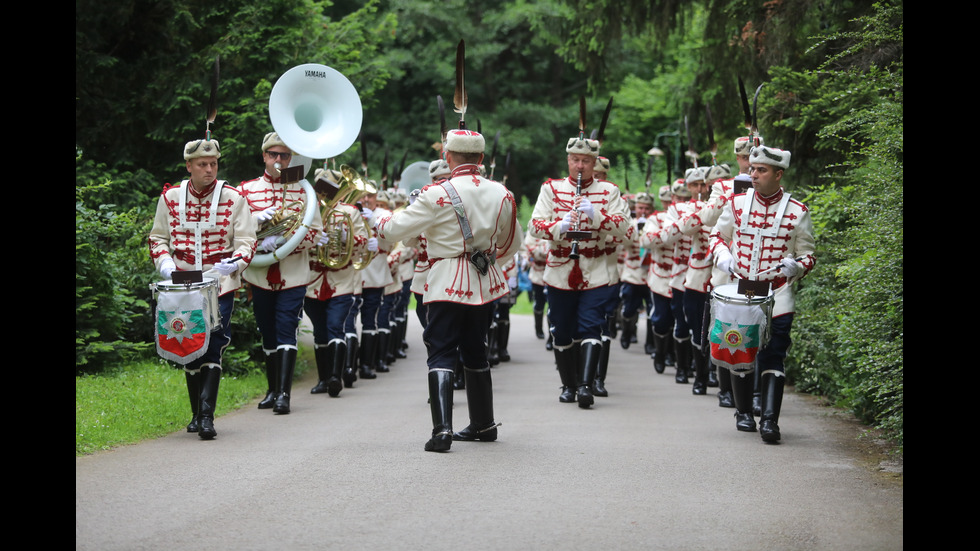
(790, 267)
(265, 215)
(367, 213)
(565, 223)
(413, 196)
(324, 239)
(269, 243)
(226, 267)
(512, 282)
(586, 208)
(167, 268)
(373, 244)
(641, 220)
(724, 261)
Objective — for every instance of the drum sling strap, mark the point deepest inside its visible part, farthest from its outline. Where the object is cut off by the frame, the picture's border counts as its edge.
(200, 225)
(481, 260)
(759, 233)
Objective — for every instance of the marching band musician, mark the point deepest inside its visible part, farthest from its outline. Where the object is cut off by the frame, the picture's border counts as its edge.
(680, 208)
(406, 272)
(661, 250)
(330, 296)
(633, 289)
(438, 171)
(389, 298)
(469, 222)
(537, 254)
(375, 278)
(204, 224)
(614, 263)
(579, 288)
(767, 235)
(697, 280)
(278, 290)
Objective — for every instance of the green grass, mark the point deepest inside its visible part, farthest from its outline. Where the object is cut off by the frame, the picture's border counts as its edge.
(147, 399)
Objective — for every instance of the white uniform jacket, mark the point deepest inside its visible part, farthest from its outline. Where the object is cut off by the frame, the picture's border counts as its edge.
(294, 270)
(761, 231)
(591, 270)
(492, 216)
(230, 234)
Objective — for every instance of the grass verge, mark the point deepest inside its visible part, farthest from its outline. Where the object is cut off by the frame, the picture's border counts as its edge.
(147, 399)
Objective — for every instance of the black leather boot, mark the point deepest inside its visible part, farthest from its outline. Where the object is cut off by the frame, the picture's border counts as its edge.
(493, 351)
(369, 348)
(599, 386)
(772, 402)
(337, 352)
(398, 339)
(538, 327)
(725, 398)
(287, 365)
(479, 401)
(591, 352)
(381, 355)
(194, 393)
(757, 394)
(742, 392)
(567, 368)
(210, 379)
(351, 358)
(712, 373)
(272, 376)
(441, 406)
(660, 352)
(459, 375)
(700, 386)
(682, 348)
(629, 325)
(648, 345)
(323, 359)
(503, 336)
(670, 357)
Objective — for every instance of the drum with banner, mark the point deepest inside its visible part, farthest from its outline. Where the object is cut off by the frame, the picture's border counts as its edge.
(739, 327)
(186, 314)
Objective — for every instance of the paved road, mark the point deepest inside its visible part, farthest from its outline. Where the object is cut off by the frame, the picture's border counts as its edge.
(649, 467)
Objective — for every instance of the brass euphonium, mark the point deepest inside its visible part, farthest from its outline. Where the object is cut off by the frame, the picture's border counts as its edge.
(339, 250)
(357, 187)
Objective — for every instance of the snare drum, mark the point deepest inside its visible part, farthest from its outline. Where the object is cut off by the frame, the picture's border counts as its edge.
(186, 314)
(739, 327)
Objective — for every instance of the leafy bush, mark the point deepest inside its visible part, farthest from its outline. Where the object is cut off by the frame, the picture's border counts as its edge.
(111, 271)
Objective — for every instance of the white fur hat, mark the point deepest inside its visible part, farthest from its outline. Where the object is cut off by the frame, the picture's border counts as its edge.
(272, 139)
(693, 175)
(664, 194)
(718, 172)
(601, 164)
(679, 188)
(465, 141)
(743, 145)
(583, 146)
(644, 198)
(202, 148)
(770, 156)
(439, 169)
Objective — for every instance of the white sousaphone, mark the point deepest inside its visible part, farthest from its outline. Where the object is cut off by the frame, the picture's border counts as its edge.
(317, 113)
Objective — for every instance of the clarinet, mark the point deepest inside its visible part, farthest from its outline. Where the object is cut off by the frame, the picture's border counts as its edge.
(575, 234)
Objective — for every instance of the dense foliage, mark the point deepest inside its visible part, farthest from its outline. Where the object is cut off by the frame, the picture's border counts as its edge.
(831, 76)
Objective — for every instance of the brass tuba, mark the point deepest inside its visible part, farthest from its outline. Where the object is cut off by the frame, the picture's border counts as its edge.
(317, 113)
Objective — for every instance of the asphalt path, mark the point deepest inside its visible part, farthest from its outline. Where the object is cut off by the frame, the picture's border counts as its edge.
(649, 467)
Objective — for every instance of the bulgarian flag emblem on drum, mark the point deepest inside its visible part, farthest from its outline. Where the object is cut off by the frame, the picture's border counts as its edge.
(183, 334)
(736, 334)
